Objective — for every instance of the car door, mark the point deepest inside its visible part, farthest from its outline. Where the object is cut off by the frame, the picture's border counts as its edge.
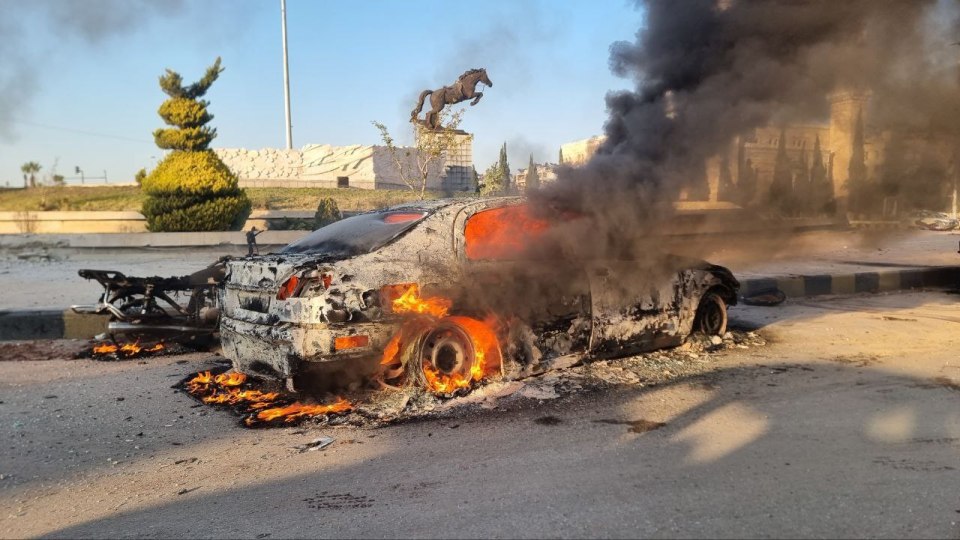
(634, 308)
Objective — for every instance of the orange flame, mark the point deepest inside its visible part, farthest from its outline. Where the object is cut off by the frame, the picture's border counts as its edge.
(130, 349)
(227, 389)
(295, 411)
(410, 302)
(500, 233)
(233, 378)
(105, 348)
(233, 397)
(127, 349)
(391, 350)
(487, 357)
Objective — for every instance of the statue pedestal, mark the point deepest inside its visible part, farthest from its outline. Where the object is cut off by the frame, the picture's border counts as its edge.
(457, 168)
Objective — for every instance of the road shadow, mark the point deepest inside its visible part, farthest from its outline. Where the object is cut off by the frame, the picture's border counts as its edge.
(893, 307)
(826, 449)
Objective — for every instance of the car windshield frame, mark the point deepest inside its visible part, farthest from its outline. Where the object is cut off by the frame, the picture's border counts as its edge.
(358, 234)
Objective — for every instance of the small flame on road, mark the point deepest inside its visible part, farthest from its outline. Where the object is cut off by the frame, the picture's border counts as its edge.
(125, 350)
(262, 408)
(295, 411)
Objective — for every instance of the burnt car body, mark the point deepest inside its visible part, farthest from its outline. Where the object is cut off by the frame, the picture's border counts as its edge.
(182, 309)
(324, 300)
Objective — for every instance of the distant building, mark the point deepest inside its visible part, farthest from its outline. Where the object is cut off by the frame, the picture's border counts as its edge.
(577, 153)
(547, 172)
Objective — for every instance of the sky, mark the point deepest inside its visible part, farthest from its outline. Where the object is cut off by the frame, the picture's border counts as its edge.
(78, 78)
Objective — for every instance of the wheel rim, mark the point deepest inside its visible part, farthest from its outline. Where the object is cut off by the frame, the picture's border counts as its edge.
(712, 316)
(449, 351)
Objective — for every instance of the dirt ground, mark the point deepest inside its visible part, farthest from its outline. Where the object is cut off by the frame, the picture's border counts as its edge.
(845, 424)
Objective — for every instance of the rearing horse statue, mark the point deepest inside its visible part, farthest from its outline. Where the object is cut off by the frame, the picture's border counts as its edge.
(462, 90)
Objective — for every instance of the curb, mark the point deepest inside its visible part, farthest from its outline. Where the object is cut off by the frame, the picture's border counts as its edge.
(49, 324)
(857, 282)
(65, 324)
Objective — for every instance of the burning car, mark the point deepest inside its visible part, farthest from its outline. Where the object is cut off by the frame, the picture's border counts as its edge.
(441, 294)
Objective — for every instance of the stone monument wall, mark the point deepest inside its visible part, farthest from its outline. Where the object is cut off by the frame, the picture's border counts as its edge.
(357, 166)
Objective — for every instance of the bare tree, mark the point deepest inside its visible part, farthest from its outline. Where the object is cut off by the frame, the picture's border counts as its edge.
(415, 164)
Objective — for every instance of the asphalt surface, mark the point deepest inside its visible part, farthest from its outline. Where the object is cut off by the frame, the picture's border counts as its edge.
(846, 425)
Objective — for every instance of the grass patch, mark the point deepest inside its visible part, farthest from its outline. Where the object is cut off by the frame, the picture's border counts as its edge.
(121, 198)
(348, 199)
(107, 198)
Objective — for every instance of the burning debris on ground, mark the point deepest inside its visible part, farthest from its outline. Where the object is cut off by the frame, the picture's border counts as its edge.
(125, 351)
(259, 408)
(264, 404)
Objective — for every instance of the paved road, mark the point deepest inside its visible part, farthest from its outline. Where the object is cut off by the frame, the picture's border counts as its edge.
(846, 425)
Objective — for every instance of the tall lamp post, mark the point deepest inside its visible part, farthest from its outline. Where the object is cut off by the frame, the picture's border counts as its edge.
(286, 73)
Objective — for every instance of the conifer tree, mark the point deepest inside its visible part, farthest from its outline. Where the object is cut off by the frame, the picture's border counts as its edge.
(725, 188)
(801, 184)
(493, 181)
(857, 170)
(191, 189)
(504, 168)
(821, 187)
(533, 177)
(781, 188)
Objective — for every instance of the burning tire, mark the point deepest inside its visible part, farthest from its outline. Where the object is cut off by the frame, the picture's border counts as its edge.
(711, 318)
(444, 355)
(446, 351)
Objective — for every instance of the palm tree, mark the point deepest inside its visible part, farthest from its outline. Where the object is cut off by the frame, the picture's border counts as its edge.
(30, 170)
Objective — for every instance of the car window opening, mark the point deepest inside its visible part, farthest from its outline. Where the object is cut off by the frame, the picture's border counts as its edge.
(502, 233)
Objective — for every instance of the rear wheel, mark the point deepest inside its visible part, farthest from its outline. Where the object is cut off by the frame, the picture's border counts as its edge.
(448, 351)
(711, 318)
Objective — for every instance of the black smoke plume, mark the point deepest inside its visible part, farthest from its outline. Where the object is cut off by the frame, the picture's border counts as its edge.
(707, 71)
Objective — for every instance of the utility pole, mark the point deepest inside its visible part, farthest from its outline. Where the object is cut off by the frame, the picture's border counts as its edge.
(286, 73)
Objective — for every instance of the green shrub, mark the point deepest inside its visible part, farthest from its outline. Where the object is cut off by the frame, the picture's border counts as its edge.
(216, 213)
(184, 113)
(190, 172)
(327, 212)
(190, 139)
(193, 191)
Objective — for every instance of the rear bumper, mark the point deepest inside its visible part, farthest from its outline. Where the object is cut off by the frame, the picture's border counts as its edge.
(283, 350)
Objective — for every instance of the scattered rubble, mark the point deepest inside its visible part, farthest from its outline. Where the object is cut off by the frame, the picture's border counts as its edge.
(392, 405)
(317, 444)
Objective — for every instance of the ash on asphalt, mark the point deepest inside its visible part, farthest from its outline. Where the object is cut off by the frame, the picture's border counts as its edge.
(392, 406)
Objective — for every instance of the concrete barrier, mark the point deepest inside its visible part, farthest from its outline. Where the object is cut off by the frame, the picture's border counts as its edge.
(142, 240)
(49, 324)
(857, 282)
(71, 222)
